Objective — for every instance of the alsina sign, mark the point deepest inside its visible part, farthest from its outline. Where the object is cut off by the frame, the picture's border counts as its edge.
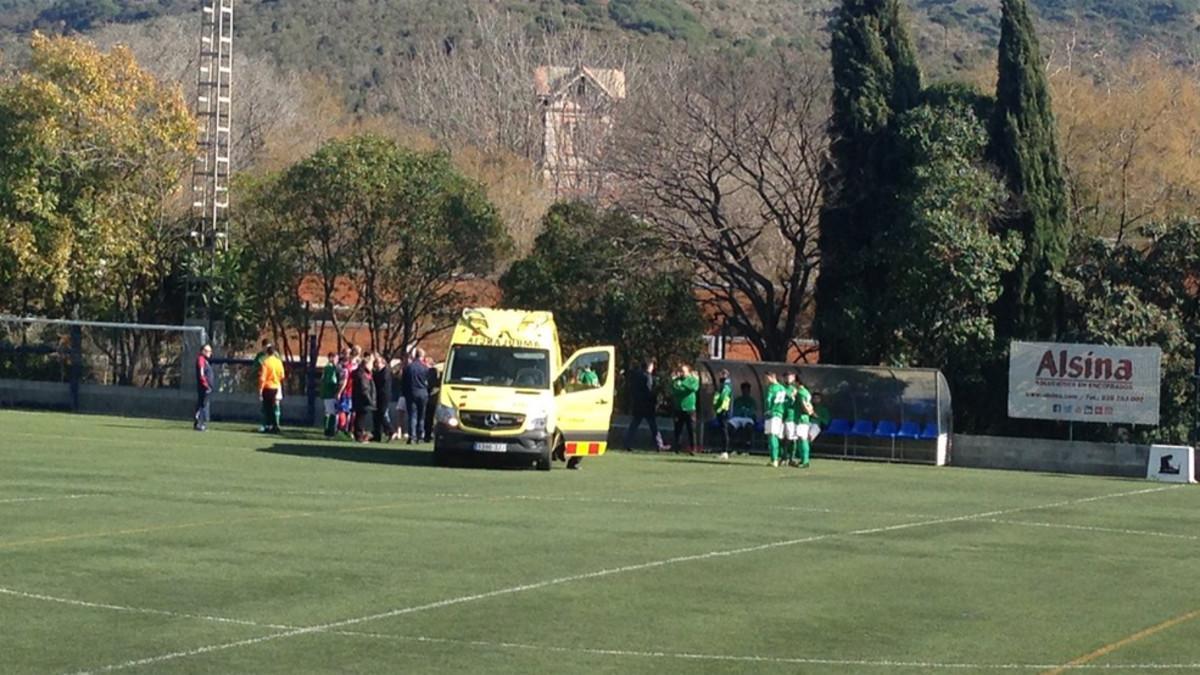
(1084, 383)
(1062, 364)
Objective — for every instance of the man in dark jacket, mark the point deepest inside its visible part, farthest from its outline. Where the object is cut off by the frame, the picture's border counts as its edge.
(364, 399)
(643, 404)
(414, 384)
(383, 400)
(204, 388)
(435, 389)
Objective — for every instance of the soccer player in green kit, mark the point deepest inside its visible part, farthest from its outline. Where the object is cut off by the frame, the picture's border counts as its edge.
(775, 403)
(789, 417)
(804, 414)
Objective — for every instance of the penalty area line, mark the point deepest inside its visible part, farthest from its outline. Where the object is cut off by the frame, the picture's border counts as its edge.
(1093, 528)
(785, 660)
(654, 564)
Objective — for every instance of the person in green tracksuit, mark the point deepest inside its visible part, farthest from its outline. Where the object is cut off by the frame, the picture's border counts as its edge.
(589, 378)
(329, 393)
(804, 417)
(684, 386)
(722, 406)
(774, 403)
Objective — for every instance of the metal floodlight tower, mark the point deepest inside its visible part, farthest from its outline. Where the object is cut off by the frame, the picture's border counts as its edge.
(209, 233)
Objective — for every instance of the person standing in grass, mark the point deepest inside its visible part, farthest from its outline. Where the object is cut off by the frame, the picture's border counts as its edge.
(435, 387)
(804, 416)
(364, 399)
(774, 404)
(789, 417)
(260, 356)
(414, 383)
(329, 393)
(270, 386)
(345, 404)
(204, 388)
(722, 406)
(382, 376)
(684, 386)
(643, 403)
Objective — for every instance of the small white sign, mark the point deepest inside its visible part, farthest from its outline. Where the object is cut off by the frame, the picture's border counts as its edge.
(1171, 464)
(1084, 383)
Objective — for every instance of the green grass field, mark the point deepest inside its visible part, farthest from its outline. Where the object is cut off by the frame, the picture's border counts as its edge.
(140, 546)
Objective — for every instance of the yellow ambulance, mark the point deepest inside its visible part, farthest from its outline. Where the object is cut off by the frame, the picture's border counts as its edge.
(507, 392)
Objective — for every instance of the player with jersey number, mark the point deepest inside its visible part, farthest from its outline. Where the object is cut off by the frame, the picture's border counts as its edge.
(804, 418)
(775, 404)
(789, 416)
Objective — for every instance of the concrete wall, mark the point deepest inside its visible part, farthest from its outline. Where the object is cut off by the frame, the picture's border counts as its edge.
(136, 402)
(35, 394)
(1035, 454)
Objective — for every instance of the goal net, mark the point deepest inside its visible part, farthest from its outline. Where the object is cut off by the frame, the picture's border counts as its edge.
(96, 352)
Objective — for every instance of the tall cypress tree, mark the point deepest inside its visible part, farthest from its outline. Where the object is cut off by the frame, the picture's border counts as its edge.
(1024, 147)
(876, 77)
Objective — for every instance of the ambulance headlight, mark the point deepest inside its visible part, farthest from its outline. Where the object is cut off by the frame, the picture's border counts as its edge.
(537, 419)
(446, 415)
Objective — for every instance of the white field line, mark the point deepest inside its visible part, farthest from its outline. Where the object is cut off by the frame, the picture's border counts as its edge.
(415, 496)
(738, 658)
(706, 504)
(463, 599)
(134, 610)
(55, 498)
(1091, 528)
(788, 660)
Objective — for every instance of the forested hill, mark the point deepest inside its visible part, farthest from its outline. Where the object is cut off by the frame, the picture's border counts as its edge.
(357, 43)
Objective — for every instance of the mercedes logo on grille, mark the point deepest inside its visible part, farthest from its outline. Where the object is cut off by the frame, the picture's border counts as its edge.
(492, 421)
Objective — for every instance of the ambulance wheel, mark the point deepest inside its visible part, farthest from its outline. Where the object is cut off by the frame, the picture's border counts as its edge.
(544, 462)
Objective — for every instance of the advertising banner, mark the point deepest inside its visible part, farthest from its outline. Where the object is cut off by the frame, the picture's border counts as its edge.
(1084, 383)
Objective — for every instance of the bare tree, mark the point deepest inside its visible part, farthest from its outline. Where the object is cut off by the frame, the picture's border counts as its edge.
(267, 99)
(723, 159)
(480, 91)
(1129, 138)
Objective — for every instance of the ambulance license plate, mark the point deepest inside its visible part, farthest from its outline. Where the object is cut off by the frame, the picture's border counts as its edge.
(491, 447)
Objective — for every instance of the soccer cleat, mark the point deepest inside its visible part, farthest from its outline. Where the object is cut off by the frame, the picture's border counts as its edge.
(775, 463)
(725, 455)
(804, 465)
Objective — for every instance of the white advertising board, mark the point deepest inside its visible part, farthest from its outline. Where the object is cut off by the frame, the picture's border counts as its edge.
(1084, 383)
(1171, 464)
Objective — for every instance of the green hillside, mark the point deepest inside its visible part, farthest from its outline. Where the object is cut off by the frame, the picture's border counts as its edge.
(692, 20)
(361, 42)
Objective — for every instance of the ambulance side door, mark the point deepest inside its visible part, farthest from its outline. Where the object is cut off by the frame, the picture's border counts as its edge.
(584, 397)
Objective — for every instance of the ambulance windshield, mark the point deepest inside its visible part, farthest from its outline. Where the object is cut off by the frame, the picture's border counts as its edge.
(499, 367)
